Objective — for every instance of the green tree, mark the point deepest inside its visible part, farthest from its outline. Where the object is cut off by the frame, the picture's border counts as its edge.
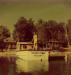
(69, 30)
(24, 30)
(51, 30)
(41, 31)
(40, 26)
(4, 33)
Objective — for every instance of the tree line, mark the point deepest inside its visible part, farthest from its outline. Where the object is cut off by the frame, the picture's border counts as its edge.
(49, 30)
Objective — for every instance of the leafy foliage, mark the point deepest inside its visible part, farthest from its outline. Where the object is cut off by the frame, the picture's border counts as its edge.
(4, 33)
(24, 29)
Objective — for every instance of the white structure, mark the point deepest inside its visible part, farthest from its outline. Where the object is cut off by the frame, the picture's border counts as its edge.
(28, 45)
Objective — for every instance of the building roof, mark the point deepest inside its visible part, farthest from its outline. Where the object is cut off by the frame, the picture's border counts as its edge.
(26, 43)
(9, 40)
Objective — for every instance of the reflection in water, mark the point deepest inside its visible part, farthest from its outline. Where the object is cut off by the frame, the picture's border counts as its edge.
(4, 66)
(32, 66)
(32, 61)
(7, 66)
(58, 67)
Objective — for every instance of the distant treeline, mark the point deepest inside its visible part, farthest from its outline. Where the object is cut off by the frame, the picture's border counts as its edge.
(49, 30)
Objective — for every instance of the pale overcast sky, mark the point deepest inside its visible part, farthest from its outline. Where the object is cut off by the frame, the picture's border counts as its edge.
(11, 10)
(47, 1)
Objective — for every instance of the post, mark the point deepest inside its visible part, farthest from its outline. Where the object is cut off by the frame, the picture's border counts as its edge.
(66, 57)
(35, 41)
(18, 46)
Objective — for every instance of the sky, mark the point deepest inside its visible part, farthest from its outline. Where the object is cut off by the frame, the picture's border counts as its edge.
(51, 1)
(12, 10)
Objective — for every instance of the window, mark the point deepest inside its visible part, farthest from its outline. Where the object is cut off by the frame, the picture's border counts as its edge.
(24, 46)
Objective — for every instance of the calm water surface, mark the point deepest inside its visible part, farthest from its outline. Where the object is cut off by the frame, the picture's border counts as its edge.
(58, 67)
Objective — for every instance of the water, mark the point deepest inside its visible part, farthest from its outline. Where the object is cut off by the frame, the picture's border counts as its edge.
(7, 67)
(58, 67)
(32, 61)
